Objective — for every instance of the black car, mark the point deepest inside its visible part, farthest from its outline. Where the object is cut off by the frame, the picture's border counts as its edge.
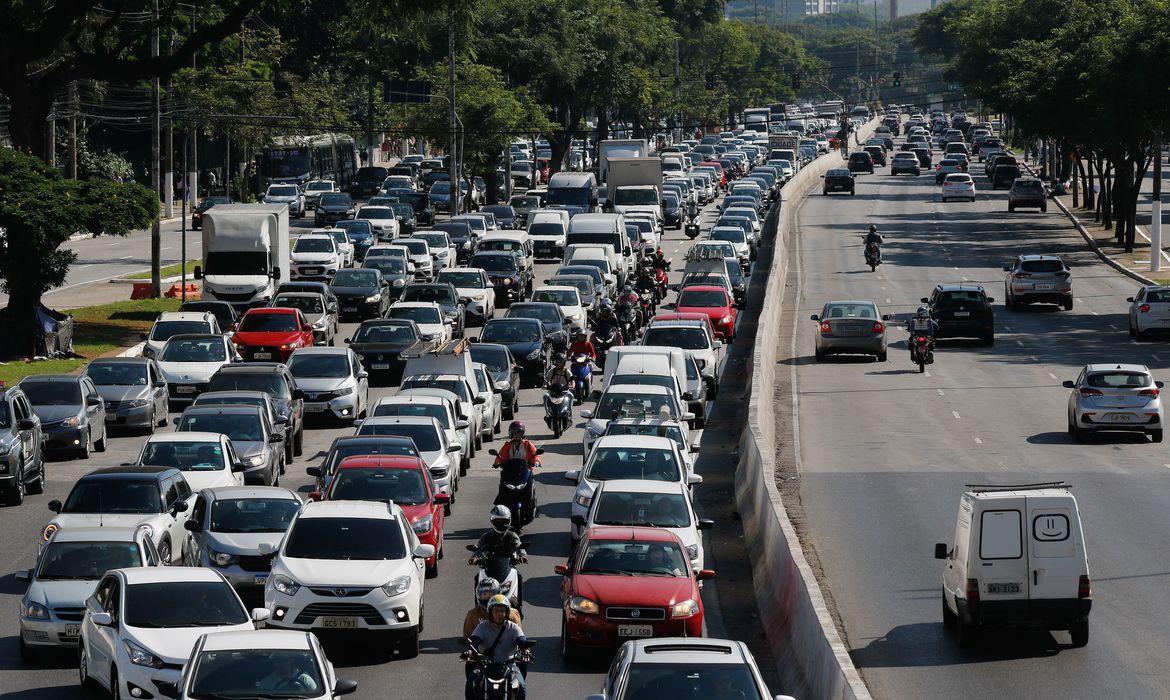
(361, 293)
(860, 162)
(207, 203)
(523, 205)
(462, 237)
(923, 156)
(838, 180)
(878, 154)
(367, 181)
(525, 339)
(1027, 192)
(738, 281)
(445, 295)
(503, 369)
(360, 446)
(379, 342)
(333, 207)
(962, 311)
(274, 379)
(407, 222)
(1004, 175)
(593, 273)
(224, 312)
(321, 288)
(556, 327)
(393, 270)
(361, 234)
(672, 211)
(424, 213)
(509, 278)
(505, 215)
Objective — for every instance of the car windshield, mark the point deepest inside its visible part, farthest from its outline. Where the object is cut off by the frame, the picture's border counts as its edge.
(319, 187)
(402, 486)
(425, 437)
(425, 410)
(441, 187)
(117, 374)
(339, 199)
(497, 332)
(649, 429)
(632, 463)
(363, 539)
(437, 293)
(495, 263)
(376, 213)
(385, 333)
(319, 365)
(677, 337)
(653, 509)
(702, 298)
(850, 311)
(455, 386)
(434, 240)
(239, 427)
(163, 330)
(357, 230)
(307, 304)
(268, 323)
(314, 244)
(497, 359)
(387, 265)
(253, 515)
(244, 674)
(211, 350)
(173, 604)
(502, 245)
(728, 234)
(465, 280)
(86, 561)
(547, 314)
(366, 279)
(1116, 379)
(562, 297)
(186, 456)
(625, 405)
(690, 682)
(339, 237)
(267, 382)
(623, 557)
(283, 191)
(113, 496)
(418, 314)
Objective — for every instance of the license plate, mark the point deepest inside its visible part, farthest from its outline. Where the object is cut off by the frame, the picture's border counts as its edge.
(73, 630)
(349, 309)
(1044, 287)
(1013, 587)
(260, 579)
(339, 623)
(314, 407)
(959, 314)
(1119, 417)
(311, 270)
(111, 418)
(184, 390)
(380, 365)
(262, 355)
(635, 631)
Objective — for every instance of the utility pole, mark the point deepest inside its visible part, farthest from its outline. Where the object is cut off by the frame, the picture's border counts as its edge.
(1156, 219)
(155, 234)
(193, 173)
(73, 109)
(453, 164)
(857, 54)
(679, 135)
(51, 137)
(169, 182)
(183, 225)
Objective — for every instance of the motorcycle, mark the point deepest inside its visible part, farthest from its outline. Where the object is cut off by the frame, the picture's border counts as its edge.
(502, 568)
(582, 371)
(516, 491)
(606, 336)
(496, 680)
(628, 320)
(647, 301)
(660, 281)
(873, 256)
(558, 409)
(921, 351)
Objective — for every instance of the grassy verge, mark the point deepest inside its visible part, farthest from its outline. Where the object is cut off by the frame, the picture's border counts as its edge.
(168, 271)
(97, 331)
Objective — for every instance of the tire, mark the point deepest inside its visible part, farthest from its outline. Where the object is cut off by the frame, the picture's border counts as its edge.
(299, 441)
(820, 356)
(1156, 435)
(1068, 304)
(949, 618)
(16, 495)
(408, 644)
(568, 650)
(288, 449)
(37, 487)
(1011, 207)
(432, 571)
(84, 679)
(882, 356)
(1079, 631)
(164, 552)
(1132, 330)
(1044, 210)
(921, 367)
(989, 340)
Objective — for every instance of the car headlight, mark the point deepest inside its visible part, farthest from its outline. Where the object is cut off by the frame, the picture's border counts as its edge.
(141, 657)
(73, 421)
(400, 283)
(221, 558)
(320, 323)
(478, 297)
(534, 354)
(254, 461)
(725, 319)
(285, 585)
(373, 298)
(5, 448)
(583, 500)
(582, 604)
(344, 392)
(423, 524)
(49, 530)
(693, 551)
(139, 403)
(685, 609)
(507, 281)
(397, 586)
(33, 611)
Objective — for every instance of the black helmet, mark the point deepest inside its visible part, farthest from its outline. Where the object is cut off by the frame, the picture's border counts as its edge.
(872, 228)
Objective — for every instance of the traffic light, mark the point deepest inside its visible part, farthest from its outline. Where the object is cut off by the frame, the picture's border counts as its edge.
(897, 79)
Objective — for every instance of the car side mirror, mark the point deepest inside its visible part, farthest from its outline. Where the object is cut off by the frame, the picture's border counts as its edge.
(573, 475)
(586, 413)
(442, 499)
(578, 520)
(55, 506)
(102, 619)
(814, 317)
(1159, 384)
(345, 686)
(198, 272)
(93, 401)
(26, 424)
(454, 448)
(260, 614)
(694, 480)
(24, 576)
(143, 336)
(266, 548)
(1007, 268)
(424, 551)
(480, 400)
(315, 472)
(705, 524)
(193, 526)
(704, 574)
(239, 467)
(179, 507)
(990, 300)
(924, 300)
(561, 569)
(276, 437)
(941, 550)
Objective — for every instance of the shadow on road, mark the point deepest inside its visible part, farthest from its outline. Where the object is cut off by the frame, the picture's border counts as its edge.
(930, 644)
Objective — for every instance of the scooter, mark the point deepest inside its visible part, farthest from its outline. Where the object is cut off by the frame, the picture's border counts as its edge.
(558, 409)
(502, 568)
(516, 491)
(605, 337)
(495, 680)
(921, 351)
(628, 320)
(582, 371)
(873, 256)
(660, 281)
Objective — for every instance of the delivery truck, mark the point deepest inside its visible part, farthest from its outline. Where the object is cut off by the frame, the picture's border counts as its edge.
(245, 253)
(635, 184)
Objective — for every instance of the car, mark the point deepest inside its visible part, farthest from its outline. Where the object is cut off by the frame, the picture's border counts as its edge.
(503, 372)
(251, 398)
(205, 204)
(962, 311)
(692, 333)
(341, 238)
(640, 503)
(716, 302)
(206, 459)
(322, 320)
(1027, 192)
(354, 445)
(493, 407)
(432, 323)
(838, 180)
(272, 334)
(430, 437)
(21, 447)
(171, 323)
(361, 236)
(528, 342)
(850, 327)
(71, 412)
(905, 162)
(506, 215)
(946, 166)
(369, 552)
(1149, 310)
(255, 441)
(441, 405)
(319, 286)
(628, 582)
(473, 289)
(154, 497)
(363, 293)
(142, 623)
(458, 388)
(1037, 278)
(510, 280)
(66, 573)
(569, 301)
(958, 186)
(287, 405)
(743, 251)
(683, 667)
(333, 207)
(629, 401)
(877, 153)
(403, 481)
(315, 257)
(333, 382)
(228, 525)
(1109, 397)
(380, 342)
(289, 195)
(860, 162)
(440, 195)
(923, 154)
(550, 314)
(187, 363)
(446, 296)
(418, 252)
(442, 250)
(368, 180)
(382, 218)
(134, 391)
(315, 188)
(224, 312)
(404, 212)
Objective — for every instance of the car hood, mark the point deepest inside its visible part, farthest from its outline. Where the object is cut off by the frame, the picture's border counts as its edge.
(61, 594)
(173, 644)
(75, 520)
(314, 317)
(519, 350)
(354, 291)
(189, 371)
(312, 257)
(247, 543)
(430, 328)
(118, 392)
(384, 348)
(468, 292)
(643, 591)
(342, 572)
(199, 480)
(314, 385)
(265, 337)
(334, 208)
(50, 414)
(712, 311)
(248, 448)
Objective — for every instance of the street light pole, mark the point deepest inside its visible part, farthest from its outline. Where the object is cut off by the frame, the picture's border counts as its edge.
(453, 164)
(1156, 218)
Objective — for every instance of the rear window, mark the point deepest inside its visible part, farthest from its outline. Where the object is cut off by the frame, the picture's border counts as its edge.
(1000, 535)
(1042, 266)
(1118, 380)
(958, 177)
(1028, 185)
(957, 297)
(1158, 295)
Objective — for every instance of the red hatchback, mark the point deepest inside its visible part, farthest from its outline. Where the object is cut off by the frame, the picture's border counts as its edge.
(271, 334)
(712, 301)
(404, 480)
(629, 583)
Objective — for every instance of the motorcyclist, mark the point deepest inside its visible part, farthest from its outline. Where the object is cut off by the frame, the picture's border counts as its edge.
(497, 638)
(558, 372)
(484, 592)
(660, 260)
(501, 540)
(582, 346)
(517, 446)
(873, 236)
(922, 324)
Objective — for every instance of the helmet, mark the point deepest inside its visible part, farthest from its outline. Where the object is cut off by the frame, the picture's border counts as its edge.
(500, 518)
(922, 312)
(499, 600)
(606, 304)
(872, 228)
(579, 335)
(485, 589)
(516, 428)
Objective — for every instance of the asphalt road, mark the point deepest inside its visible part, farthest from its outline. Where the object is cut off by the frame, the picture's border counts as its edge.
(885, 452)
(437, 672)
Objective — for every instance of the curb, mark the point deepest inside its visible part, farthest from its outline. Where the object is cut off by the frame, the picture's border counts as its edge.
(164, 280)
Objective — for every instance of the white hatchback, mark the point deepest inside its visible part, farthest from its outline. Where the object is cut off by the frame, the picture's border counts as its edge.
(958, 186)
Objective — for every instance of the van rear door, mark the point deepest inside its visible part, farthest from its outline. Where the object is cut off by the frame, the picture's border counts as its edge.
(1000, 549)
(1056, 560)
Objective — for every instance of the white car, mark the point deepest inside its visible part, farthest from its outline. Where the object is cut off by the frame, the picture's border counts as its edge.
(474, 289)
(458, 386)
(734, 235)
(432, 441)
(188, 361)
(685, 663)
(66, 573)
(341, 238)
(171, 323)
(1108, 397)
(333, 381)
(626, 457)
(290, 196)
(428, 315)
(419, 253)
(435, 403)
(366, 550)
(263, 663)
(442, 250)
(207, 460)
(958, 186)
(383, 220)
(676, 430)
(628, 401)
(641, 502)
(315, 188)
(315, 257)
(1149, 310)
(493, 408)
(569, 299)
(141, 624)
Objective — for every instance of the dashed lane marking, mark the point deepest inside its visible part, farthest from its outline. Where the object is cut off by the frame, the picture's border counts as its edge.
(978, 441)
(956, 415)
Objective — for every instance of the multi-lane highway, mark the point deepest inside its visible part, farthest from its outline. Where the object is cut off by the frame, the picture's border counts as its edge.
(884, 452)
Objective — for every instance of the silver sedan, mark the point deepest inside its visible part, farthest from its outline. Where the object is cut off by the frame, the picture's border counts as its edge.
(1115, 397)
(853, 327)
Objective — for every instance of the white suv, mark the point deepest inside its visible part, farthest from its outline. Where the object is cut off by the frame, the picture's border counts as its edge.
(315, 256)
(350, 565)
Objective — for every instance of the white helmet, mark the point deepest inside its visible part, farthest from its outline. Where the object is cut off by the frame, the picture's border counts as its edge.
(500, 518)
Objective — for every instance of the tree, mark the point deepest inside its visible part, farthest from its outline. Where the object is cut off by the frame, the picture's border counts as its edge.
(39, 210)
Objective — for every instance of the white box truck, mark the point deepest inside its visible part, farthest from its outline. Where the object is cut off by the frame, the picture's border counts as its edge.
(635, 184)
(245, 253)
(618, 148)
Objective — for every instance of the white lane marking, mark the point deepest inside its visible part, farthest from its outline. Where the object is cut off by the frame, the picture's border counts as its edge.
(1020, 343)
(1094, 313)
(1079, 300)
(978, 441)
(109, 245)
(1114, 327)
(940, 392)
(1050, 374)
(889, 301)
(167, 247)
(927, 374)
(956, 415)
(1007, 328)
(1157, 357)
(126, 257)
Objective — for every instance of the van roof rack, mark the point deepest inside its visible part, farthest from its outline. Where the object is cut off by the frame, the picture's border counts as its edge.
(983, 488)
(447, 347)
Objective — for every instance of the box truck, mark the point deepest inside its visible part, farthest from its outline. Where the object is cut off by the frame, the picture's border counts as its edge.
(245, 253)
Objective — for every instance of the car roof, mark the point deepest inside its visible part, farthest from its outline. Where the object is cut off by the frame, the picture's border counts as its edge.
(51, 378)
(631, 533)
(704, 287)
(222, 409)
(688, 651)
(380, 462)
(226, 492)
(959, 287)
(1024, 258)
(635, 389)
(130, 473)
(347, 509)
(649, 442)
(182, 316)
(265, 639)
(119, 361)
(415, 305)
(322, 350)
(274, 310)
(252, 368)
(169, 574)
(96, 534)
(641, 486)
(402, 420)
(1113, 367)
(192, 436)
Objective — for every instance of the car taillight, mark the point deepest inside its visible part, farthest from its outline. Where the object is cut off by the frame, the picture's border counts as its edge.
(879, 327)
(1144, 308)
(1152, 393)
(826, 328)
(972, 590)
(1091, 392)
(1084, 588)
(1021, 275)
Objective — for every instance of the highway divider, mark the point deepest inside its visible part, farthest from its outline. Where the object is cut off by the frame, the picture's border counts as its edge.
(813, 661)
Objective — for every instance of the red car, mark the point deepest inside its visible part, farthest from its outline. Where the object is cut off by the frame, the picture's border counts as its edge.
(719, 169)
(271, 334)
(712, 301)
(628, 583)
(404, 480)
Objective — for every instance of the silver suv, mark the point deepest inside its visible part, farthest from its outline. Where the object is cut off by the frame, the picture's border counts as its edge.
(22, 466)
(1038, 278)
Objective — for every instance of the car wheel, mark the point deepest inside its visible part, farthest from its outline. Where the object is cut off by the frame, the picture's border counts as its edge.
(881, 356)
(1079, 631)
(989, 339)
(1068, 303)
(299, 441)
(16, 495)
(408, 644)
(820, 356)
(1156, 435)
(968, 632)
(1074, 430)
(288, 449)
(84, 451)
(949, 618)
(568, 650)
(83, 677)
(1011, 207)
(1044, 210)
(38, 486)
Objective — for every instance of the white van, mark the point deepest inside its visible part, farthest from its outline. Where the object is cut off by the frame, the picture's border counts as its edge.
(599, 256)
(1018, 559)
(617, 355)
(607, 229)
(517, 242)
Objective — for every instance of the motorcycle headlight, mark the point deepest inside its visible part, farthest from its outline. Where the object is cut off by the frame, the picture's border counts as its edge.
(686, 608)
(582, 604)
(693, 551)
(141, 657)
(33, 611)
(557, 400)
(583, 500)
(534, 354)
(423, 524)
(285, 585)
(221, 558)
(397, 586)
(254, 461)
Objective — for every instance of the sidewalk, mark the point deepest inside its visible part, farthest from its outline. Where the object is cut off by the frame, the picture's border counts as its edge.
(1135, 264)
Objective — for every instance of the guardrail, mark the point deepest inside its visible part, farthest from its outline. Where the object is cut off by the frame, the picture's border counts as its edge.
(805, 645)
